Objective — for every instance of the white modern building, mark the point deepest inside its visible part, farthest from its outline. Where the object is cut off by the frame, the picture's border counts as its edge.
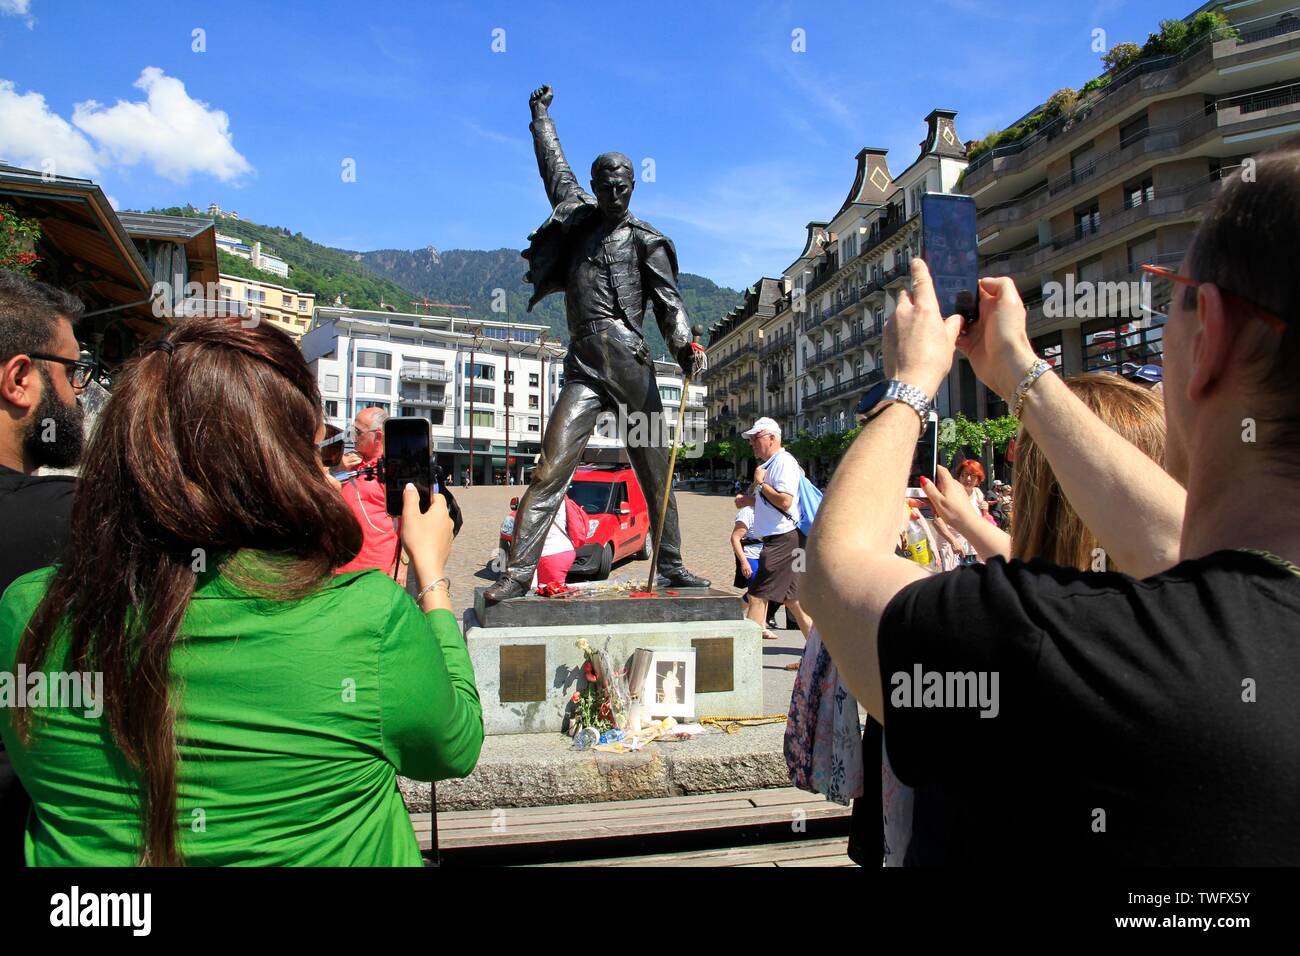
(253, 253)
(484, 386)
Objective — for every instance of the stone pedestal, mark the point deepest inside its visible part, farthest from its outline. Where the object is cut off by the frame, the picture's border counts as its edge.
(526, 673)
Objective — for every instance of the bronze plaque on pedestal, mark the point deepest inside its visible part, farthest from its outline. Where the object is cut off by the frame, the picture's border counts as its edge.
(714, 667)
(523, 673)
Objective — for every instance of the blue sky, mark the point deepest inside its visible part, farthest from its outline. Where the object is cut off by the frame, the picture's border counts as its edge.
(750, 139)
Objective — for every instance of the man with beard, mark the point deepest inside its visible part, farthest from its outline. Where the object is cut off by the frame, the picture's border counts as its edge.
(41, 373)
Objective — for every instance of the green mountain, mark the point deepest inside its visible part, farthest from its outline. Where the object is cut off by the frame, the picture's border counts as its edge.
(312, 267)
(491, 283)
(482, 280)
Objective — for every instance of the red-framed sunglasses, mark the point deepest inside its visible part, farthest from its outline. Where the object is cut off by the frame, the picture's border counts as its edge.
(1274, 322)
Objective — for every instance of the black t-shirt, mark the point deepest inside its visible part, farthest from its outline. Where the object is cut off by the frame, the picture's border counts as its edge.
(1152, 722)
(35, 518)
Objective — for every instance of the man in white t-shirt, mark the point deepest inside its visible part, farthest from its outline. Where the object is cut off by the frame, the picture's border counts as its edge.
(775, 498)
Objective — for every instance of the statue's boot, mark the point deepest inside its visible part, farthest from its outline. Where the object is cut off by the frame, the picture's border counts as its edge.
(679, 577)
(505, 588)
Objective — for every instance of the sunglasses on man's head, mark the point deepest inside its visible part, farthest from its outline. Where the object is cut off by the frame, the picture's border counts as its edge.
(1252, 309)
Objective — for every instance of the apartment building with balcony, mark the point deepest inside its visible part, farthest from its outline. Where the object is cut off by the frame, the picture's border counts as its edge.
(286, 308)
(733, 375)
(846, 280)
(487, 385)
(1123, 179)
(779, 395)
(480, 384)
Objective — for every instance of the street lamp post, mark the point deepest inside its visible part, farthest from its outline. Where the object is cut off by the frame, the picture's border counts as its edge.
(478, 332)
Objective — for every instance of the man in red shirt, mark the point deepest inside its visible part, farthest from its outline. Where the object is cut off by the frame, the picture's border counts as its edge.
(379, 548)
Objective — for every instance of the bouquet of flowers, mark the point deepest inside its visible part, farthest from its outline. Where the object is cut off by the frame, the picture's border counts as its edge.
(602, 702)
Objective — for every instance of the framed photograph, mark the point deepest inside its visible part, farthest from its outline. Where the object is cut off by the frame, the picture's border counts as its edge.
(669, 689)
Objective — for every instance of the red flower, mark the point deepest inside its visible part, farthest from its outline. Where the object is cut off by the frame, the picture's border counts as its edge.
(589, 671)
(576, 697)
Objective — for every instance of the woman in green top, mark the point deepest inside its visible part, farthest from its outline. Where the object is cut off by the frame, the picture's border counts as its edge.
(255, 708)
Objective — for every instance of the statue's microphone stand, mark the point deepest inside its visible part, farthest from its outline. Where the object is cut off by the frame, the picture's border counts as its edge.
(696, 332)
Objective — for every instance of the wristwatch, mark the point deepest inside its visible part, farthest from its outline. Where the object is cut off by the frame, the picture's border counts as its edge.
(884, 393)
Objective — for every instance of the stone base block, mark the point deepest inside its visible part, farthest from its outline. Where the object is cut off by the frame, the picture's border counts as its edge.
(525, 675)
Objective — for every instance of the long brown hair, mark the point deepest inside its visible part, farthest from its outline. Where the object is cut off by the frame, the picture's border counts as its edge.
(205, 450)
(1046, 524)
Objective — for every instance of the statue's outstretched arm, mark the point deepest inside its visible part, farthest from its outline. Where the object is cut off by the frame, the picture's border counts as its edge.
(561, 184)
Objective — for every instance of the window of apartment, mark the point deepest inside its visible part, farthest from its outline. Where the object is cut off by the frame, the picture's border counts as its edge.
(533, 401)
(481, 419)
(1048, 348)
(331, 383)
(1110, 344)
(1133, 130)
(1138, 192)
(534, 425)
(367, 359)
(1089, 270)
(227, 292)
(409, 390)
(480, 394)
(510, 399)
(374, 384)
(362, 405)
(510, 377)
(254, 295)
(478, 370)
(533, 378)
(331, 408)
(288, 302)
(1083, 163)
(917, 192)
(1087, 220)
(1140, 250)
(670, 393)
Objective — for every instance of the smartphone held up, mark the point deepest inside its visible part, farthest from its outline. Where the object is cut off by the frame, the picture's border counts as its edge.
(948, 246)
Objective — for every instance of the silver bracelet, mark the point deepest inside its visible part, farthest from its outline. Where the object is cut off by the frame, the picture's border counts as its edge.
(1033, 375)
(445, 582)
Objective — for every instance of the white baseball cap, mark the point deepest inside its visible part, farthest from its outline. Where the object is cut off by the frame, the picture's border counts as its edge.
(763, 425)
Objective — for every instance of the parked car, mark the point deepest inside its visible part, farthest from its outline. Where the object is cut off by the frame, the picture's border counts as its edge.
(618, 522)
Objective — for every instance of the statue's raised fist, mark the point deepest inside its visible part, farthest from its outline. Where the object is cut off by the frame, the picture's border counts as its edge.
(541, 97)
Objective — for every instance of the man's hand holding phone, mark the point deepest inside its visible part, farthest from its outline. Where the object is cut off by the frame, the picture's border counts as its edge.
(919, 342)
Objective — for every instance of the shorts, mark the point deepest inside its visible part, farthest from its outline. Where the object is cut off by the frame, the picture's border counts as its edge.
(776, 578)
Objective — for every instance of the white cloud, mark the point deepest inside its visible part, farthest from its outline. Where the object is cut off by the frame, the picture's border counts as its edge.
(171, 131)
(18, 8)
(33, 137)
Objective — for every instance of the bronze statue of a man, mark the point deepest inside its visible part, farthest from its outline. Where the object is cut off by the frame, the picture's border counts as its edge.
(609, 265)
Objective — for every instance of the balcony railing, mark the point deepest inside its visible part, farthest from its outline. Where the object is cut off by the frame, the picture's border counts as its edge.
(849, 342)
(431, 401)
(1148, 142)
(815, 318)
(776, 343)
(424, 373)
(829, 392)
(1168, 202)
(747, 409)
(903, 270)
(1278, 25)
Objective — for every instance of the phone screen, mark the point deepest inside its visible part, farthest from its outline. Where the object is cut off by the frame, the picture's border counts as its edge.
(407, 457)
(948, 248)
(925, 459)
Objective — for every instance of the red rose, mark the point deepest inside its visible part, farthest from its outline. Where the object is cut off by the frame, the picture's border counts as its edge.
(576, 697)
(589, 672)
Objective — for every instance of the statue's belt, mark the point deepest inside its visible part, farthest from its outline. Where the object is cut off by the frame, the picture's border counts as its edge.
(597, 326)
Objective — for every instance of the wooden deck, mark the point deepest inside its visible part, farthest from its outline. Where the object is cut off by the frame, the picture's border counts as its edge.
(778, 827)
